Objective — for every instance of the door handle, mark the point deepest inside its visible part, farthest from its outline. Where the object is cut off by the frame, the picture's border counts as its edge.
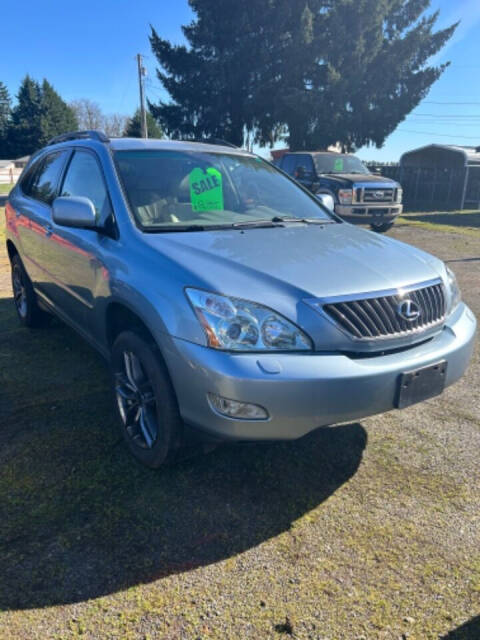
(48, 230)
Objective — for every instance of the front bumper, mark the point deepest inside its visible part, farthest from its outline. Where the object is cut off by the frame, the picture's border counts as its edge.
(369, 213)
(309, 390)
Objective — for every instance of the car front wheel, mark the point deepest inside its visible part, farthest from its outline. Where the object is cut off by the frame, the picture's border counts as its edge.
(145, 399)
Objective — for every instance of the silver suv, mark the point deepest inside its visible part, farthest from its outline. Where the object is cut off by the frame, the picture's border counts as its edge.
(225, 296)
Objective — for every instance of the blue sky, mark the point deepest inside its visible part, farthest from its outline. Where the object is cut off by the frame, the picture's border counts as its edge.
(87, 50)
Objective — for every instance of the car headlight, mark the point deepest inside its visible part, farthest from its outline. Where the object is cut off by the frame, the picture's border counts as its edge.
(241, 325)
(399, 195)
(455, 294)
(345, 196)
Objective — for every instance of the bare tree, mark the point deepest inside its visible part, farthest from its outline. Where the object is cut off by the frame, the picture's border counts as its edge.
(89, 114)
(114, 124)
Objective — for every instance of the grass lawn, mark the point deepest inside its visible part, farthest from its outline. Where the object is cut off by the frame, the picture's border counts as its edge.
(5, 188)
(365, 530)
(463, 222)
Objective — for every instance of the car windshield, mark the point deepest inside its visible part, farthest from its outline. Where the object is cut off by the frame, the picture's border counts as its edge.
(339, 163)
(169, 190)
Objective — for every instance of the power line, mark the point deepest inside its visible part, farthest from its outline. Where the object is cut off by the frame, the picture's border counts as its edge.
(443, 135)
(445, 115)
(472, 125)
(455, 103)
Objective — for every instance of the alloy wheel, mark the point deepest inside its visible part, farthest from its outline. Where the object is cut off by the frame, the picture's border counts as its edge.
(19, 291)
(136, 402)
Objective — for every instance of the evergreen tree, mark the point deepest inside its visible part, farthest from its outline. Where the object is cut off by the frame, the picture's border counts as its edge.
(25, 130)
(210, 83)
(5, 110)
(57, 117)
(133, 128)
(326, 71)
(39, 115)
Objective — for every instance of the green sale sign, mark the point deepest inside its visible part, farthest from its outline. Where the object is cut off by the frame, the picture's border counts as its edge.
(206, 189)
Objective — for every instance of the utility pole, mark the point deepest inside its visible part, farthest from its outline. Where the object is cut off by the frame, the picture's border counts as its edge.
(143, 113)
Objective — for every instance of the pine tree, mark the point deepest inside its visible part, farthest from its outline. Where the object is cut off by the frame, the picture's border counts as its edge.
(25, 130)
(5, 111)
(369, 70)
(325, 71)
(133, 128)
(39, 114)
(211, 83)
(57, 117)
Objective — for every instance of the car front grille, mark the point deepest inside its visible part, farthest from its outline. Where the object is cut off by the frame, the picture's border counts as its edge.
(380, 317)
(376, 195)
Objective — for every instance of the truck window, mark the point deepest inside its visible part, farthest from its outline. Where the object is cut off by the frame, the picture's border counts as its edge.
(289, 162)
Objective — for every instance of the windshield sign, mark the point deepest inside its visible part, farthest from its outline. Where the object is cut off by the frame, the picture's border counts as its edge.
(191, 191)
(339, 164)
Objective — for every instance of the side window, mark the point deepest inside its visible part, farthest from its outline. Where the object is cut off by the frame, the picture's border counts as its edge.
(289, 163)
(43, 182)
(303, 166)
(27, 179)
(84, 178)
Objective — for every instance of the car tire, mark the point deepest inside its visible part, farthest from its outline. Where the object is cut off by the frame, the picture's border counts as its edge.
(145, 400)
(24, 297)
(382, 228)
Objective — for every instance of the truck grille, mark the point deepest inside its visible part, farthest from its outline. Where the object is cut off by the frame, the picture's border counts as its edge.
(380, 317)
(376, 195)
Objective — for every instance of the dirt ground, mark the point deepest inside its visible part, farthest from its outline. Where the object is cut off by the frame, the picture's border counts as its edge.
(362, 531)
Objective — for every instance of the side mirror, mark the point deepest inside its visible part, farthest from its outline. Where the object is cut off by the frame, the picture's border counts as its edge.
(327, 200)
(74, 211)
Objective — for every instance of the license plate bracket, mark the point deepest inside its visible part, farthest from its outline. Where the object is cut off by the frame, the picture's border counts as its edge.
(421, 384)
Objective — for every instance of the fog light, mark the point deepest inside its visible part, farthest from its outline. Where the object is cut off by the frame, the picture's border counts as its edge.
(235, 409)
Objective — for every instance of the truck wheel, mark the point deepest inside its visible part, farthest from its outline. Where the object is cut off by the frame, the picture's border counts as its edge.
(150, 421)
(24, 297)
(381, 228)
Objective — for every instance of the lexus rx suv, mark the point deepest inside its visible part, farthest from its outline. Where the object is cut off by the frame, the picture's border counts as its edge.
(225, 296)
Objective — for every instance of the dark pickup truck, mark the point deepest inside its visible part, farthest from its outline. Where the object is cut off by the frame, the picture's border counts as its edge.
(359, 196)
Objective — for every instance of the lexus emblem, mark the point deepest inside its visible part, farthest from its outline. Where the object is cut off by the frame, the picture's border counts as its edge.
(378, 194)
(409, 310)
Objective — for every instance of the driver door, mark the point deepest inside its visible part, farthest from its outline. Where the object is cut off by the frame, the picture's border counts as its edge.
(74, 255)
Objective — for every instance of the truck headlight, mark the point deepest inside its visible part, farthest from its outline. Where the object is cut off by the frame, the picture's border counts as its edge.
(455, 294)
(240, 325)
(399, 195)
(345, 196)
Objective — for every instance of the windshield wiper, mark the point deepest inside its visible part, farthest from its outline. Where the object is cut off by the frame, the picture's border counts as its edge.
(302, 220)
(273, 222)
(175, 228)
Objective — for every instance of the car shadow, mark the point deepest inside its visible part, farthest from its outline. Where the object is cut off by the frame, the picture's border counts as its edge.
(80, 519)
(468, 631)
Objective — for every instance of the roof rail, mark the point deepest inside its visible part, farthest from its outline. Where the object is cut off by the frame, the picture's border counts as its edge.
(79, 135)
(216, 141)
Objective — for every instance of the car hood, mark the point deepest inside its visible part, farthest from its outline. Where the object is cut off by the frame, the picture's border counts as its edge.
(298, 261)
(357, 178)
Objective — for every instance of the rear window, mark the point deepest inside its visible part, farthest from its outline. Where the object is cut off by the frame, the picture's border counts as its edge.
(42, 183)
(170, 188)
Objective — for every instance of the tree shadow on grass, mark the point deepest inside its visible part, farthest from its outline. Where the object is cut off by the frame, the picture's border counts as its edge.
(80, 519)
(468, 631)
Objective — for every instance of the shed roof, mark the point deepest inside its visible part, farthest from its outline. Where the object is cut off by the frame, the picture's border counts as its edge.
(471, 154)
